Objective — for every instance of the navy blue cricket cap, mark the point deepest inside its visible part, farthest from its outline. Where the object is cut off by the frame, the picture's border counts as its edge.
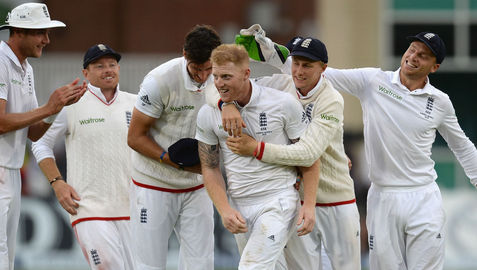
(97, 51)
(311, 48)
(290, 44)
(185, 152)
(433, 42)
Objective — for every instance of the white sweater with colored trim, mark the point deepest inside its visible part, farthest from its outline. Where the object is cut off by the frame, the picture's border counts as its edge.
(324, 108)
(98, 157)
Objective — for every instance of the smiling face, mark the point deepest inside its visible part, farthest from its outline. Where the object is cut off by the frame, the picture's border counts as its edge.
(418, 61)
(103, 73)
(232, 82)
(32, 42)
(306, 74)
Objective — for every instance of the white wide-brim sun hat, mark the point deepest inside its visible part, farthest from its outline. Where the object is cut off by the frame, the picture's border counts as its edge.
(30, 16)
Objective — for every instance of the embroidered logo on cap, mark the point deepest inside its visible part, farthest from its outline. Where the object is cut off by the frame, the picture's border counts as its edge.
(429, 35)
(102, 47)
(306, 43)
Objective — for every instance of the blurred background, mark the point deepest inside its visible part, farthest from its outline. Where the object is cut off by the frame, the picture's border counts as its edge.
(357, 34)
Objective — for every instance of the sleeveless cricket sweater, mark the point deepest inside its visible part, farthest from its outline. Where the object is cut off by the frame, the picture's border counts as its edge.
(99, 158)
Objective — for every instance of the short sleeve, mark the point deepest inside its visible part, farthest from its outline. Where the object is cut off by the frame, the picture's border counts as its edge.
(204, 130)
(294, 116)
(4, 83)
(149, 100)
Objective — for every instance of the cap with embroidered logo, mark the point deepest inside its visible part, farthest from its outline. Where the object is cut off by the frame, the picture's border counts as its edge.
(30, 16)
(433, 42)
(97, 51)
(290, 44)
(311, 48)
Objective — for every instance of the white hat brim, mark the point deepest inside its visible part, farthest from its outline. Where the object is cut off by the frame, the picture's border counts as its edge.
(41, 25)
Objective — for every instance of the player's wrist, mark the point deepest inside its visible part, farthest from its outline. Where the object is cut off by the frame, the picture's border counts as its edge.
(309, 204)
(258, 152)
(221, 104)
(161, 158)
(56, 179)
(50, 119)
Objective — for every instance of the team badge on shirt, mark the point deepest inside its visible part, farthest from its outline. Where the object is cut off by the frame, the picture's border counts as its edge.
(128, 117)
(30, 87)
(263, 124)
(263, 121)
(429, 107)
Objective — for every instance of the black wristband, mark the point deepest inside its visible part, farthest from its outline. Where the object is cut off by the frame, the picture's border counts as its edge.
(55, 179)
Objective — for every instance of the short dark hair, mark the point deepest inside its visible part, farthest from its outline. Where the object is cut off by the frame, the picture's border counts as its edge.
(14, 30)
(26, 31)
(199, 43)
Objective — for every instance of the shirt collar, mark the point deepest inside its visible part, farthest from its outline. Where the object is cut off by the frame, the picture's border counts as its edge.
(255, 94)
(97, 93)
(10, 54)
(189, 83)
(313, 91)
(396, 79)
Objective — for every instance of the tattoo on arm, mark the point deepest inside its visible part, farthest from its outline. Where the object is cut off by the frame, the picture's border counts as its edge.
(209, 155)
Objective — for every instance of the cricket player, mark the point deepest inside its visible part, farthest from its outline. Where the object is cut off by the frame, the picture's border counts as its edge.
(165, 195)
(337, 217)
(98, 162)
(263, 204)
(20, 117)
(402, 112)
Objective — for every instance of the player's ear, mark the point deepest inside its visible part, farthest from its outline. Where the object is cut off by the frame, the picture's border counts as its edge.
(85, 72)
(247, 73)
(324, 66)
(435, 67)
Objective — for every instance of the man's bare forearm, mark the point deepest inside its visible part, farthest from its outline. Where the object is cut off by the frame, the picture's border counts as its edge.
(212, 176)
(311, 177)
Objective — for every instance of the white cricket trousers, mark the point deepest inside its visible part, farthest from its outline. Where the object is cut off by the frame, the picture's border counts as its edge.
(106, 245)
(406, 228)
(155, 214)
(271, 222)
(10, 195)
(334, 242)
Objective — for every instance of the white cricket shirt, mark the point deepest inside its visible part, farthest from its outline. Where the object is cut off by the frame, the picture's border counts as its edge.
(271, 116)
(17, 87)
(400, 126)
(174, 99)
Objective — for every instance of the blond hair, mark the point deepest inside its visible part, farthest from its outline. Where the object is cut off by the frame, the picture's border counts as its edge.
(230, 53)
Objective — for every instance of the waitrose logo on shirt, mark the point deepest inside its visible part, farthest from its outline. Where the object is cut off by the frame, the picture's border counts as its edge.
(183, 108)
(91, 121)
(329, 117)
(389, 93)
